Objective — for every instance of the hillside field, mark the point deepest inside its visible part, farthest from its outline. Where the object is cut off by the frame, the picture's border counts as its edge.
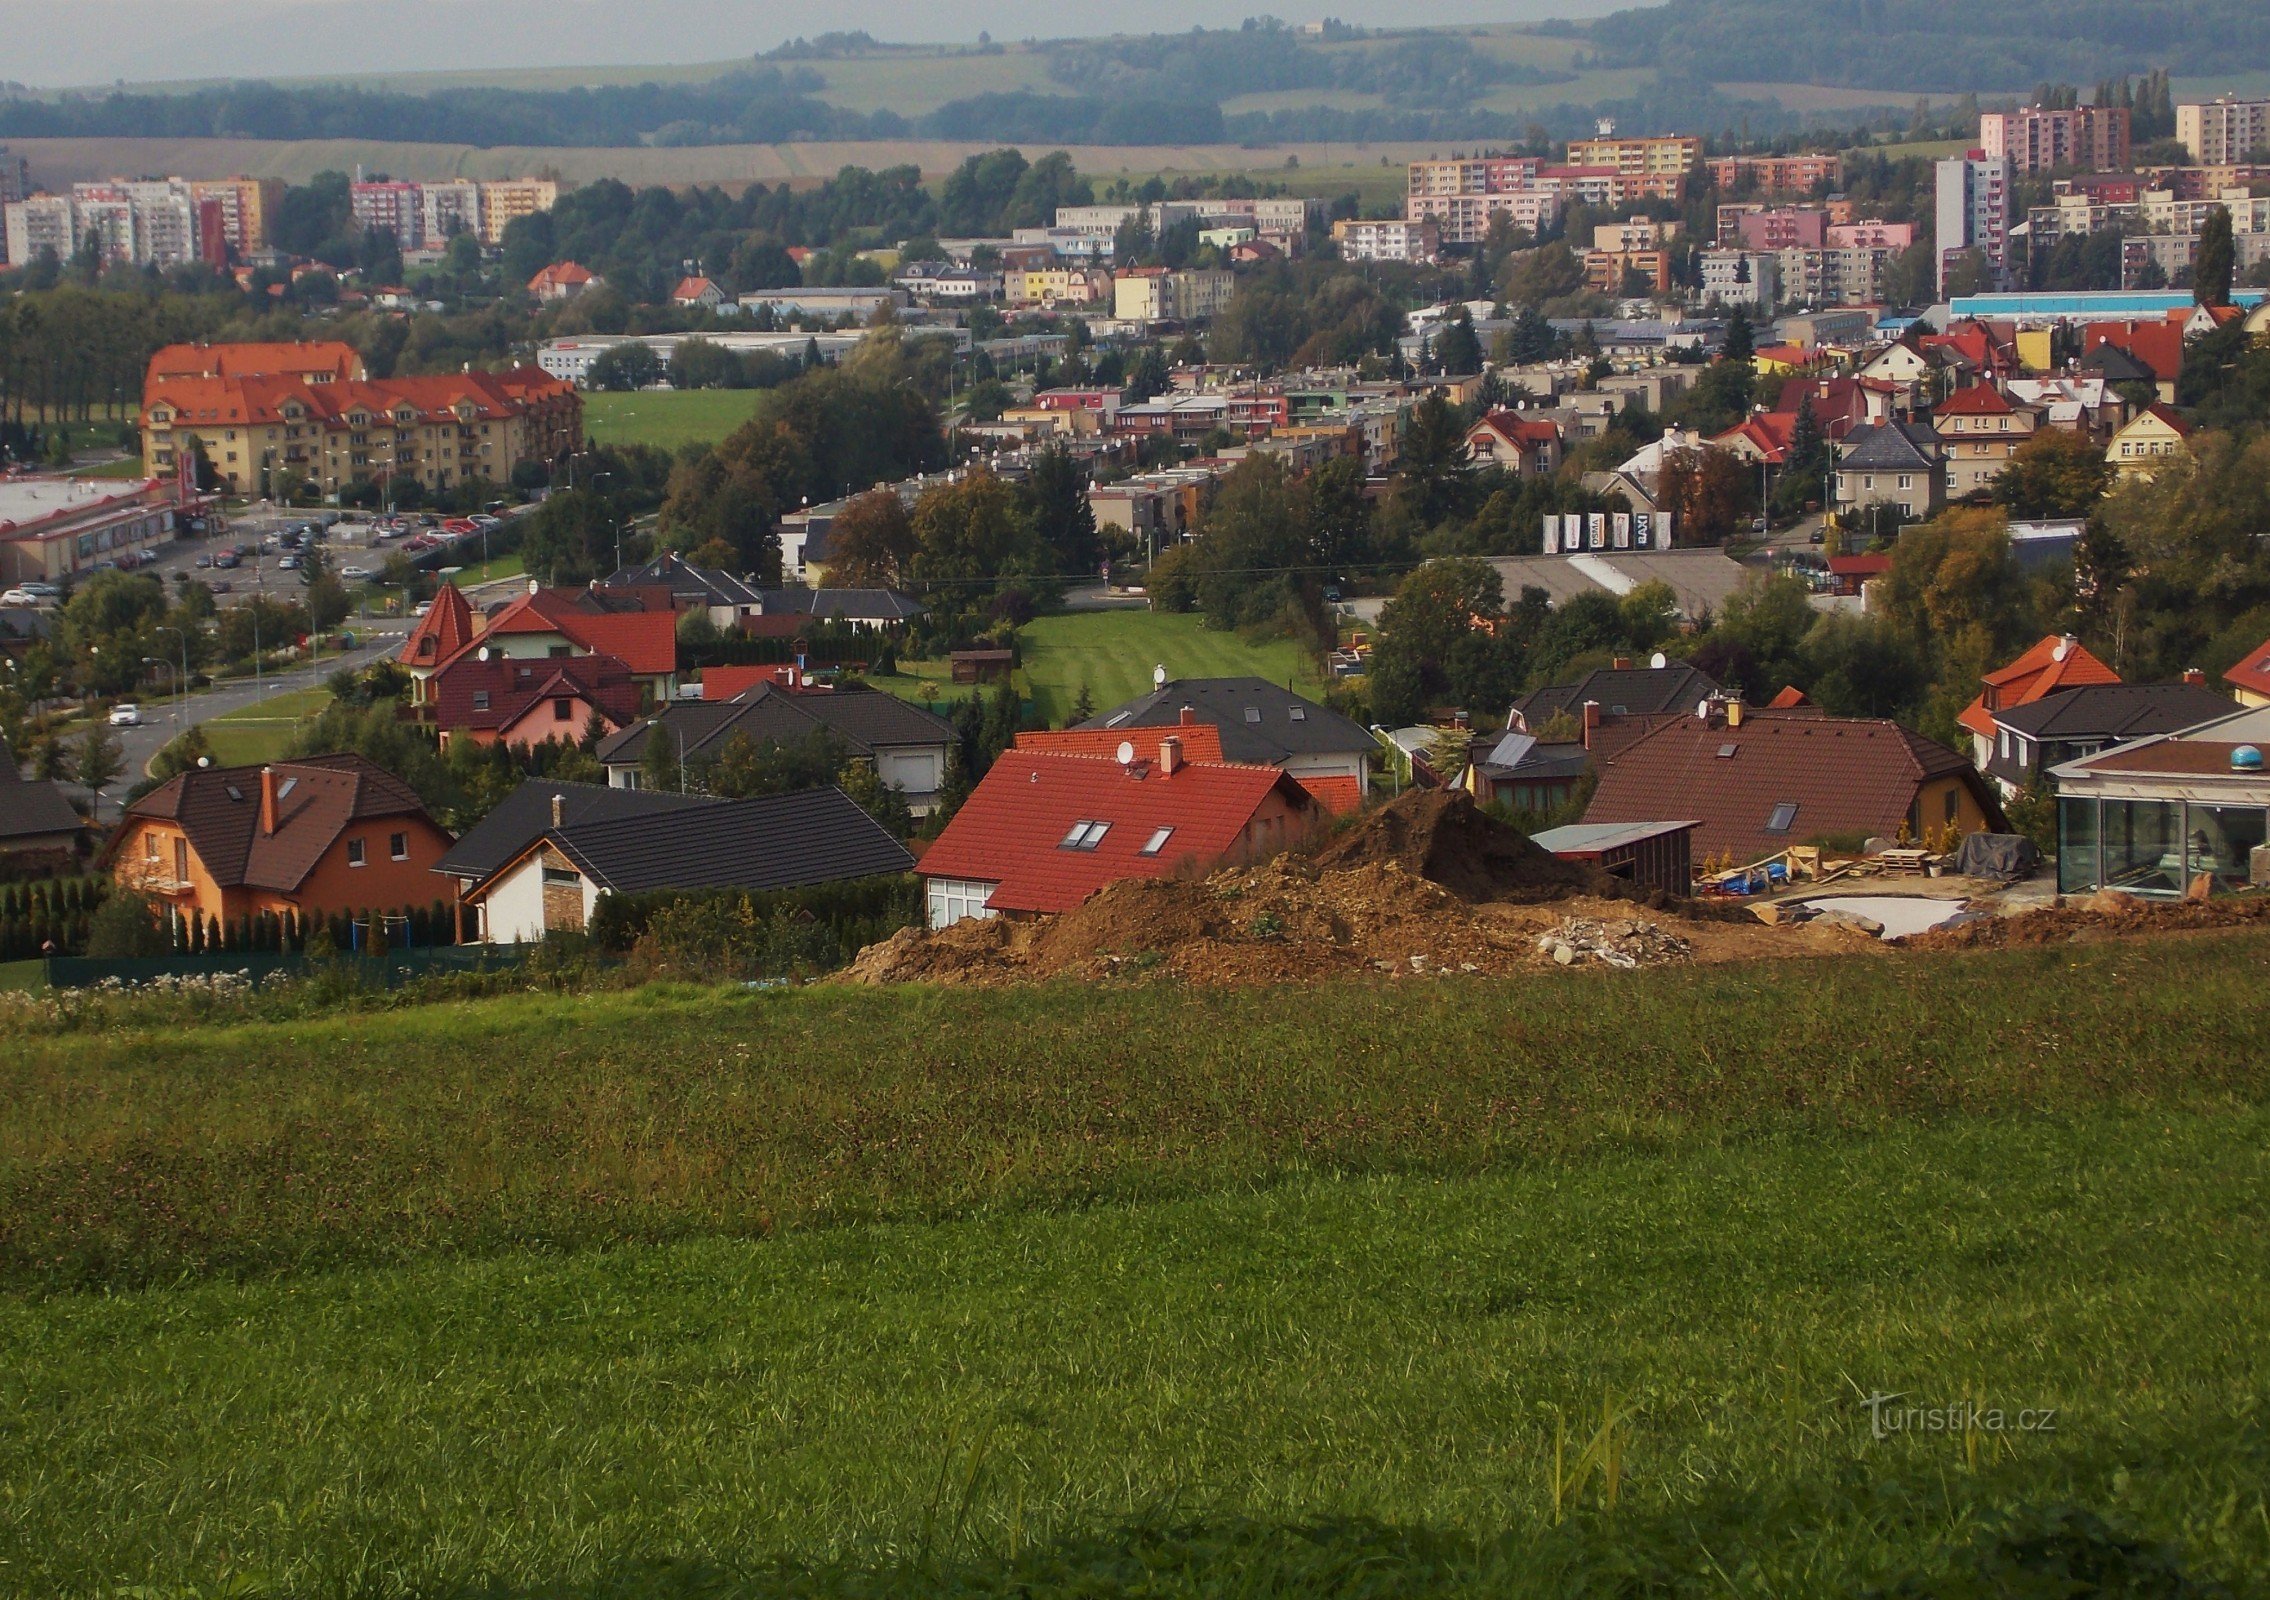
(668, 419)
(1432, 1287)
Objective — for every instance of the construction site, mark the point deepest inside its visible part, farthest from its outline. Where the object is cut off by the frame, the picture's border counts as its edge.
(1432, 886)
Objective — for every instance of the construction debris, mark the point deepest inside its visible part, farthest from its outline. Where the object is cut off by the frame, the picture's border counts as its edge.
(1627, 943)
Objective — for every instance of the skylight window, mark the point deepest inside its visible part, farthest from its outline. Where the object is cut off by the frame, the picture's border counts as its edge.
(1124, 716)
(1726, 751)
(1299, 713)
(234, 792)
(1157, 842)
(1784, 817)
(1085, 835)
(284, 789)
(1253, 713)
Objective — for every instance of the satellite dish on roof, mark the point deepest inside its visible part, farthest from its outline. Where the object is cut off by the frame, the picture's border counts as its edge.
(484, 652)
(1126, 752)
(1658, 661)
(1159, 677)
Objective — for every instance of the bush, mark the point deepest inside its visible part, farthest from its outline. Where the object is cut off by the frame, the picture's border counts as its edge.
(128, 924)
(753, 934)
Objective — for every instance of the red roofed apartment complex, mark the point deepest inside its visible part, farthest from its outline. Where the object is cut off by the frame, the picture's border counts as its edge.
(1758, 782)
(1046, 830)
(322, 835)
(260, 412)
(610, 653)
(2055, 663)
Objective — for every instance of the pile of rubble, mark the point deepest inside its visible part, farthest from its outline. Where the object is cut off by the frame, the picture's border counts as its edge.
(1626, 942)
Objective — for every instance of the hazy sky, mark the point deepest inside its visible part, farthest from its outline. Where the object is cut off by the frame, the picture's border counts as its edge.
(54, 43)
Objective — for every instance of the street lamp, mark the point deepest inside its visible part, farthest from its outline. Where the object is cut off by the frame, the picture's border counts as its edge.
(181, 684)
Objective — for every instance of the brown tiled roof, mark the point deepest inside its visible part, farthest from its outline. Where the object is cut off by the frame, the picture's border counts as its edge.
(1845, 775)
(317, 797)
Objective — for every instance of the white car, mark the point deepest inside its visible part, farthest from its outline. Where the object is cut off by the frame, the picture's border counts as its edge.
(19, 597)
(126, 715)
(356, 574)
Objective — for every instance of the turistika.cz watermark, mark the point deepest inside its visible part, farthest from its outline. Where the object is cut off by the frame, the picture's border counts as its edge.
(1890, 1414)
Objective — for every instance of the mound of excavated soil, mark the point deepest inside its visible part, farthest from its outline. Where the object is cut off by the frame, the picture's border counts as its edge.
(1442, 836)
(2104, 915)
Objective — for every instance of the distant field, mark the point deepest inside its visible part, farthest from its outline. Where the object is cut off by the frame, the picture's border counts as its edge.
(668, 419)
(261, 732)
(68, 160)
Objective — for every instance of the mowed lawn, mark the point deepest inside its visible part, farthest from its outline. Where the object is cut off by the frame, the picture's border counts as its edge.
(1111, 654)
(261, 732)
(668, 419)
(1454, 1287)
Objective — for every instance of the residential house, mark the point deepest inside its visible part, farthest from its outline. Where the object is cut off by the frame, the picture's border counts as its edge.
(725, 599)
(639, 627)
(1980, 428)
(2250, 679)
(1529, 446)
(521, 818)
(489, 698)
(446, 629)
(1761, 438)
(1263, 725)
(907, 746)
(36, 815)
(1891, 463)
(1515, 771)
(2031, 739)
(784, 613)
(316, 836)
(2160, 815)
(697, 293)
(1047, 829)
(2153, 346)
(563, 281)
(2080, 405)
(1758, 782)
(552, 884)
(1616, 692)
(2053, 665)
(2150, 440)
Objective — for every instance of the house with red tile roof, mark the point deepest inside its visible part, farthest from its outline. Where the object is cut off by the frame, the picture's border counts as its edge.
(1757, 782)
(2156, 346)
(1841, 404)
(1980, 428)
(562, 280)
(500, 699)
(316, 361)
(1048, 828)
(1515, 442)
(316, 836)
(447, 628)
(697, 291)
(1851, 575)
(2250, 679)
(573, 622)
(1762, 436)
(2056, 663)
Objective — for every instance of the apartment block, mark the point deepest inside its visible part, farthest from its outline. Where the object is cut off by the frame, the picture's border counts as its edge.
(392, 208)
(446, 210)
(1670, 155)
(1741, 278)
(2223, 131)
(1972, 211)
(41, 223)
(1756, 227)
(505, 201)
(1391, 239)
(1609, 271)
(1777, 174)
(1473, 175)
(248, 206)
(1054, 286)
(15, 178)
(1869, 234)
(1161, 294)
(2038, 139)
(1466, 218)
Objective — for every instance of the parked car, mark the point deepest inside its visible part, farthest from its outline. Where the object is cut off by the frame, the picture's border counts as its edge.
(42, 591)
(223, 587)
(1817, 537)
(19, 597)
(484, 520)
(356, 574)
(204, 560)
(287, 563)
(227, 559)
(126, 714)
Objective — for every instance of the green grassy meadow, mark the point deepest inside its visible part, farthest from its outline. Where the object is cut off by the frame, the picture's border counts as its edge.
(261, 732)
(668, 419)
(1146, 1289)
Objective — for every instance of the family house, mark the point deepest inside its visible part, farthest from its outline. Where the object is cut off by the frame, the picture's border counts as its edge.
(1758, 782)
(2250, 679)
(36, 815)
(2179, 812)
(553, 882)
(2057, 663)
(1261, 724)
(1891, 463)
(2031, 739)
(2148, 441)
(1980, 428)
(501, 699)
(1527, 446)
(636, 627)
(906, 745)
(316, 836)
(1048, 828)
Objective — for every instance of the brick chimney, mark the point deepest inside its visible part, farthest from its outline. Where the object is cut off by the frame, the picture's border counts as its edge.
(2195, 675)
(1189, 718)
(1591, 721)
(1170, 756)
(559, 810)
(267, 802)
(1623, 663)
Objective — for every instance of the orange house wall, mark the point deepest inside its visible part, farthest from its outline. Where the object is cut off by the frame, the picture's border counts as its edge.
(333, 885)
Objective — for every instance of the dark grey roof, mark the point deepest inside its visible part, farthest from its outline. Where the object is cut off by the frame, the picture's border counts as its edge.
(24, 623)
(868, 720)
(686, 582)
(1260, 722)
(1890, 447)
(1621, 691)
(525, 815)
(2115, 365)
(32, 807)
(1538, 763)
(853, 605)
(780, 841)
(2115, 711)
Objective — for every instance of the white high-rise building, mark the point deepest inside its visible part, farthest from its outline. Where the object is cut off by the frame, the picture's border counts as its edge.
(449, 209)
(1973, 212)
(2223, 132)
(42, 222)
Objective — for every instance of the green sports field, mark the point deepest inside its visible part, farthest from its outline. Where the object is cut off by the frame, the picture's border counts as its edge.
(668, 419)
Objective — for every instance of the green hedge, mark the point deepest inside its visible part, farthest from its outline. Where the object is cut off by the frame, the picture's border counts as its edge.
(756, 933)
